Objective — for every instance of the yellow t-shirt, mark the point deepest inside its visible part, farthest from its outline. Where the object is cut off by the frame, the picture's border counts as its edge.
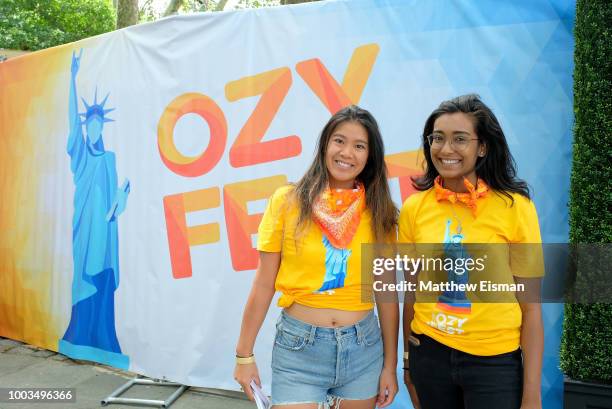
(304, 275)
(488, 328)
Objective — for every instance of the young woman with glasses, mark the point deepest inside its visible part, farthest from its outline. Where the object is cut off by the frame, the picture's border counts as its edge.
(461, 353)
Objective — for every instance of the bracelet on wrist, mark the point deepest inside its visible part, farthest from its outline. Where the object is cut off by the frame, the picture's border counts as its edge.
(241, 360)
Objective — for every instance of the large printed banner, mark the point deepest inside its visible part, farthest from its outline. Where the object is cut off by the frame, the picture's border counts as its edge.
(135, 166)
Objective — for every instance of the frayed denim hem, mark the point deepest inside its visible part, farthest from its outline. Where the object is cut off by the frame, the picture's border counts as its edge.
(332, 402)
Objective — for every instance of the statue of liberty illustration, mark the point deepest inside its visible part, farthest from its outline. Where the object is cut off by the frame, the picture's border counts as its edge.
(455, 301)
(98, 203)
(335, 267)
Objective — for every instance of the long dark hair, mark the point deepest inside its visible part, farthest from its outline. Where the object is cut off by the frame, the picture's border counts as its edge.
(373, 176)
(497, 168)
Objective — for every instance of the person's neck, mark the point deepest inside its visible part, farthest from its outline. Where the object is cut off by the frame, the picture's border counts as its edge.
(341, 185)
(457, 185)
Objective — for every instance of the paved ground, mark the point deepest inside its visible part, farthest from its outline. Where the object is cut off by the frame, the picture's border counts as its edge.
(26, 366)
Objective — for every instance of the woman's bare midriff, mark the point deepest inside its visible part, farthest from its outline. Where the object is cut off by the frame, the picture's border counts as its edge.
(325, 317)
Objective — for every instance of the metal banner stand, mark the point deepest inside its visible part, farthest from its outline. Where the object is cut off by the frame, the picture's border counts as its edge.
(114, 397)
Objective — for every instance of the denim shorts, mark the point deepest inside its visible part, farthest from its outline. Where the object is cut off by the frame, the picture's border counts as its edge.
(323, 365)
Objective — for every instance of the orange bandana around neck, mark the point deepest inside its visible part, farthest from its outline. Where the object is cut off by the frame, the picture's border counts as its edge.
(469, 199)
(337, 212)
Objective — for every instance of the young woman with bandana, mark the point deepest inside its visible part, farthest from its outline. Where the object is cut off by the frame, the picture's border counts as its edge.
(329, 350)
(460, 353)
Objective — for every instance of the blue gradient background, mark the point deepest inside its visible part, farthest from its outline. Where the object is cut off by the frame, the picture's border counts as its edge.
(518, 55)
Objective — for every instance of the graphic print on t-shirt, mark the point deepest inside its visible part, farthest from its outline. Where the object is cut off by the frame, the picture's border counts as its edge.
(455, 301)
(335, 267)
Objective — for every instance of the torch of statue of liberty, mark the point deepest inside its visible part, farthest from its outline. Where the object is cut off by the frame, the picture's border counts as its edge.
(455, 301)
(98, 202)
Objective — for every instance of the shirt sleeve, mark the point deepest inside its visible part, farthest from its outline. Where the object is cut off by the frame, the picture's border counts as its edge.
(406, 221)
(270, 231)
(526, 255)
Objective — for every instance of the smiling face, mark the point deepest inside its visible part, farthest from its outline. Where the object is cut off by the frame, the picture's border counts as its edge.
(455, 162)
(346, 154)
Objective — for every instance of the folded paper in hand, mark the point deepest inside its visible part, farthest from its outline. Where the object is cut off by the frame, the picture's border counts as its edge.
(261, 400)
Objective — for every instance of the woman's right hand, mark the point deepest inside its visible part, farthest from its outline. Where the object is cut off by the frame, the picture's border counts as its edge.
(255, 311)
(411, 390)
(244, 374)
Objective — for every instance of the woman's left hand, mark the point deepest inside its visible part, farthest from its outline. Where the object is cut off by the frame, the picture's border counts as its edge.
(387, 387)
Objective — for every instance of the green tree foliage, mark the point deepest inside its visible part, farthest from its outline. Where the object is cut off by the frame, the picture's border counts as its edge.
(587, 331)
(37, 24)
(150, 13)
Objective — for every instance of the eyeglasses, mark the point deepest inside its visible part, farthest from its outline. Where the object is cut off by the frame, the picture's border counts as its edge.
(457, 142)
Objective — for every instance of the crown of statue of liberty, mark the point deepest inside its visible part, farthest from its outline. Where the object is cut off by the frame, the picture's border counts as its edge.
(96, 109)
